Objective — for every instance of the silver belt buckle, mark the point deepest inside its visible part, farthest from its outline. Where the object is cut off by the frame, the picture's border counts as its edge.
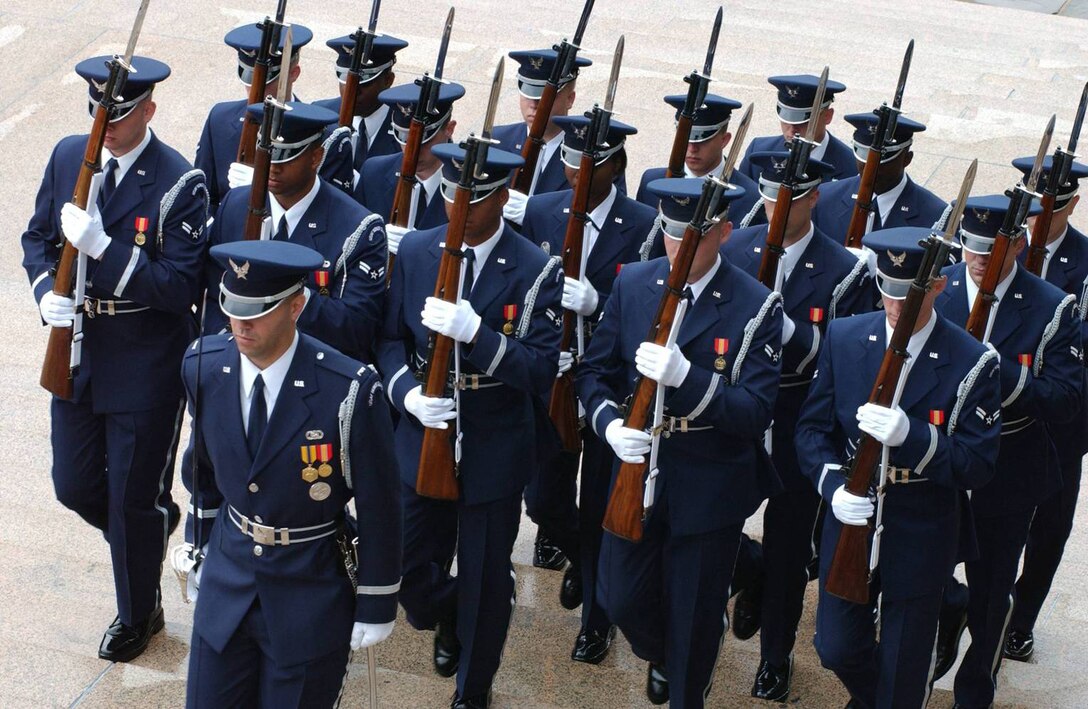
(470, 381)
(898, 475)
(89, 307)
(262, 533)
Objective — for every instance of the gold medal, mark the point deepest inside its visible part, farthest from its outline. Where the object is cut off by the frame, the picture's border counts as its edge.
(320, 491)
(141, 239)
(324, 291)
(721, 346)
(508, 328)
(325, 470)
(509, 312)
(309, 473)
(719, 364)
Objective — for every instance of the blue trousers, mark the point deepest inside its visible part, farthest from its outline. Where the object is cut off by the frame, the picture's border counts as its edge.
(244, 675)
(481, 597)
(115, 471)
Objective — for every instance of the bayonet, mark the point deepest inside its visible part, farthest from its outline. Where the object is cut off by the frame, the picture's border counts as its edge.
(375, 8)
(817, 105)
(281, 11)
(614, 77)
(1078, 122)
(135, 35)
(713, 47)
(903, 72)
(953, 224)
(583, 21)
(1044, 146)
(493, 100)
(440, 65)
(738, 143)
(285, 75)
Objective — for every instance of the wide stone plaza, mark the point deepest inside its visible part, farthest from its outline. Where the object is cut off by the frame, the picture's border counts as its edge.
(985, 80)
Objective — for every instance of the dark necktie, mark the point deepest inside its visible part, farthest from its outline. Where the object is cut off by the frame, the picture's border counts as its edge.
(361, 146)
(470, 272)
(877, 224)
(421, 205)
(258, 417)
(281, 233)
(689, 296)
(109, 183)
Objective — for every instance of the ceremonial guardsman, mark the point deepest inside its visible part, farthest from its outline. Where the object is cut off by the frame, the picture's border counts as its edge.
(343, 298)
(217, 151)
(372, 132)
(795, 97)
(709, 138)
(899, 200)
(114, 441)
(619, 231)
(507, 326)
(377, 186)
(668, 592)
(819, 281)
(1035, 329)
(289, 432)
(940, 440)
(1066, 266)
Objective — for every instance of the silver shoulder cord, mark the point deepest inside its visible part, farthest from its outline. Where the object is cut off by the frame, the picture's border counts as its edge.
(659, 414)
(878, 525)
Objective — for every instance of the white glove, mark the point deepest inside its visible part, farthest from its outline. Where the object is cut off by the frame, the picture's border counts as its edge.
(457, 321)
(851, 509)
(579, 296)
(630, 446)
(515, 206)
(367, 634)
(185, 565)
(432, 411)
(788, 326)
(665, 365)
(57, 310)
(84, 231)
(889, 426)
(239, 175)
(393, 235)
(566, 361)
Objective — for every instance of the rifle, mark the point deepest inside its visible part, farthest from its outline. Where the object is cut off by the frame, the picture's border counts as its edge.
(796, 165)
(848, 577)
(62, 354)
(565, 55)
(625, 512)
(270, 40)
(360, 57)
(437, 473)
(887, 119)
(425, 107)
(698, 83)
(1059, 175)
(1012, 228)
(270, 124)
(563, 406)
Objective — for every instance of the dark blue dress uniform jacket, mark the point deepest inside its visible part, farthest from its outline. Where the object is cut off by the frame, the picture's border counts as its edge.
(715, 478)
(498, 422)
(384, 143)
(308, 602)
(218, 148)
(838, 154)
(1037, 320)
(626, 236)
(163, 273)
(351, 239)
(922, 518)
(512, 137)
(827, 277)
(916, 207)
(377, 189)
(738, 208)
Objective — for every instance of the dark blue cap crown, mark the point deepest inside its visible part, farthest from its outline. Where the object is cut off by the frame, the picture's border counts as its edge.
(382, 56)
(772, 172)
(301, 125)
(982, 219)
(899, 253)
(1077, 172)
(796, 93)
(247, 41)
(494, 173)
(258, 275)
(535, 68)
(576, 132)
(402, 102)
(709, 118)
(865, 131)
(680, 197)
(148, 72)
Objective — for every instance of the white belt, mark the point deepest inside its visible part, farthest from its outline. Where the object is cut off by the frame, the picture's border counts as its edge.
(281, 536)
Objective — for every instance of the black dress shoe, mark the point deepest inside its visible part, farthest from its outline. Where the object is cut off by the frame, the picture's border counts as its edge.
(570, 591)
(547, 555)
(748, 610)
(950, 629)
(773, 681)
(447, 650)
(1019, 646)
(657, 684)
(591, 647)
(480, 701)
(123, 643)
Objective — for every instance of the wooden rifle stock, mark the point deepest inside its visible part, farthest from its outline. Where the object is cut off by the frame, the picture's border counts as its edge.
(530, 152)
(247, 144)
(679, 147)
(863, 205)
(986, 297)
(776, 235)
(406, 182)
(563, 405)
(1041, 232)
(347, 102)
(262, 166)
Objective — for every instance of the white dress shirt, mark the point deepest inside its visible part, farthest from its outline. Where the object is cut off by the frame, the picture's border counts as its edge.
(999, 291)
(792, 255)
(294, 214)
(126, 161)
(547, 152)
(482, 252)
(273, 376)
(596, 219)
(700, 285)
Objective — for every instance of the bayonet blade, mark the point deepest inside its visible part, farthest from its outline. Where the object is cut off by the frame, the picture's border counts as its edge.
(135, 34)
(493, 99)
(713, 47)
(817, 105)
(281, 11)
(583, 21)
(285, 71)
(903, 72)
(738, 143)
(440, 65)
(614, 77)
(953, 223)
(1044, 146)
(375, 8)
(1078, 122)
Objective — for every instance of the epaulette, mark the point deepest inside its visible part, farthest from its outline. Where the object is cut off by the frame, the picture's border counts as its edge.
(334, 361)
(211, 343)
(199, 181)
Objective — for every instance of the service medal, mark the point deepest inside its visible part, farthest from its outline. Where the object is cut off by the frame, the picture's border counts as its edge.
(936, 417)
(324, 454)
(509, 312)
(322, 279)
(320, 491)
(142, 224)
(816, 315)
(1024, 359)
(309, 455)
(721, 346)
